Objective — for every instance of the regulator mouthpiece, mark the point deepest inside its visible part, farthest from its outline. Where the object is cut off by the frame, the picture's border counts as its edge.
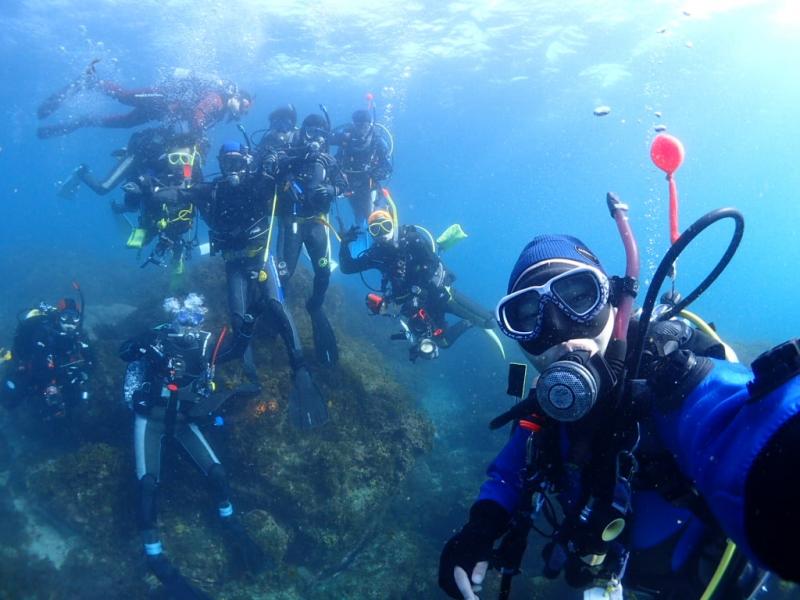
(566, 391)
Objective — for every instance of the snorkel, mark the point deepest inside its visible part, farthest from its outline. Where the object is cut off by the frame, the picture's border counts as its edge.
(246, 137)
(629, 286)
(393, 207)
(327, 117)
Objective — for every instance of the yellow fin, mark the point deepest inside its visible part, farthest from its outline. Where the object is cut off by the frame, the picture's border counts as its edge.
(451, 236)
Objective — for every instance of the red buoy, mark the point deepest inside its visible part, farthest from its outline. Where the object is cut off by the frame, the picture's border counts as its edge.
(667, 153)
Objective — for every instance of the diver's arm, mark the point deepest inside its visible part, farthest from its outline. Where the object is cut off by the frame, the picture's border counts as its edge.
(504, 483)
(382, 167)
(138, 348)
(363, 262)
(202, 196)
(718, 434)
(465, 558)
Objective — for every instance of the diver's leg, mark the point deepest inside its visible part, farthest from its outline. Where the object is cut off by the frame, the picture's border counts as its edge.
(148, 439)
(289, 245)
(453, 332)
(64, 128)
(101, 188)
(464, 307)
(362, 203)
(246, 552)
(135, 97)
(138, 116)
(131, 119)
(240, 286)
(317, 241)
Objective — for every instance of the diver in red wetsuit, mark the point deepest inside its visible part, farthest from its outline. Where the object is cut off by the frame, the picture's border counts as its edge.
(185, 99)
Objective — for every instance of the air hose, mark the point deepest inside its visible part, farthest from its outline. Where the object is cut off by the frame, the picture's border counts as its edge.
(664, 268)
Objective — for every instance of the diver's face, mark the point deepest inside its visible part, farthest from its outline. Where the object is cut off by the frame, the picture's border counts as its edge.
(361, 131)
(382, 231)
(69, 320)
(557, 327)
(234, 107)
(281, 124)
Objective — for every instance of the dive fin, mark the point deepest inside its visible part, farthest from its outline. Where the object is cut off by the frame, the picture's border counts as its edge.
(307, 409)
(54, 102)
(136, 239)
(69, 188)
(175, 585)
(325, 345)
(451, 236)
(494, 337)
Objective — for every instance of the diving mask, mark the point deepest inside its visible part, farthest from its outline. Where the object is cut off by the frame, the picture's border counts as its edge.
(69, 320)
(580, 294)
(379, 228)
(182, 157)
(234, 162)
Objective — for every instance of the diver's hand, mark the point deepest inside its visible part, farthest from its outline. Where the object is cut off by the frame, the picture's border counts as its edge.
(465, 557)
(469, 586)
(351, 235)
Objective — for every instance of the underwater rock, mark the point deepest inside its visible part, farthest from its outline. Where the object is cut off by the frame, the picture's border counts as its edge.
(309, 499)
(107, 315)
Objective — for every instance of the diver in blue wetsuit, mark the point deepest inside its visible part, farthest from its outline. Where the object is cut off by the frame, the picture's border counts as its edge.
(672, 466)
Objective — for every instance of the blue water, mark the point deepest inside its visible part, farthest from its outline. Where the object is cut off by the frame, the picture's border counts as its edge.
(490, 104)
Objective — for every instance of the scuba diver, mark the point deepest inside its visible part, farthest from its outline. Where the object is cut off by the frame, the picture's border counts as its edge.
(164, 201)
(185, 99)
(142, 156)
(239, 209)
(307, 181)
(655, 446)
(169, 386)
(281, 131)
(50, 360)
(415, 285)
(365, 156)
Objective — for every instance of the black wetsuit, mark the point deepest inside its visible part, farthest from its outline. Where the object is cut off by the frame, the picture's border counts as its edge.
(143, 156)
(166, 207)
(414, 277)
(168, 385)
(238, 218)
(365, 164)
(49, 367)
(307, 184)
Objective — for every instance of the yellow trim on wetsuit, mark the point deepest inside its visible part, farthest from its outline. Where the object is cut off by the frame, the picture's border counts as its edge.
(262, 274)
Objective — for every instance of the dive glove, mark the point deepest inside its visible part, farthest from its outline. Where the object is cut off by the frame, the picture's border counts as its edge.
(472, 545)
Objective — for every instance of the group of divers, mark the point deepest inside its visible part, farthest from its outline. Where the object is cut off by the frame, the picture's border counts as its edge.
(643, 451)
